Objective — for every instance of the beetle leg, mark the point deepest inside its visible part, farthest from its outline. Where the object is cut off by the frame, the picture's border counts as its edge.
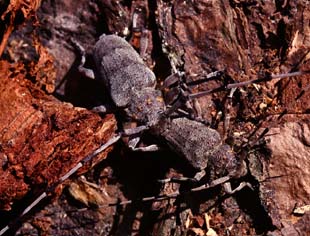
(100, 109)
(133, 143)
(228, 189)
(84, 71)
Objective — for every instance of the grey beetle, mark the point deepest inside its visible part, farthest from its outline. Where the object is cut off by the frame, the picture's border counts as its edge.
(132, 88)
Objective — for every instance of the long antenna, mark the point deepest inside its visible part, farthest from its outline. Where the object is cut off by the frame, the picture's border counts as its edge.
(240, 84)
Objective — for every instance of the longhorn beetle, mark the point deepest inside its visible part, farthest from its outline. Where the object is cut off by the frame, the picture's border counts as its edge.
(132, 88)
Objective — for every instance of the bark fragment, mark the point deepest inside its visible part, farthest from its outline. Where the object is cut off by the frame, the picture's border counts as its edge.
(42, 138)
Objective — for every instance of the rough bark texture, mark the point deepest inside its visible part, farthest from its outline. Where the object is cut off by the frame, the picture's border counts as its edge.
(42, 138)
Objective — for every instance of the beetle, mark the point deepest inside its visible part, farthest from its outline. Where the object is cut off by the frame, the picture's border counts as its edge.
(132, 88)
